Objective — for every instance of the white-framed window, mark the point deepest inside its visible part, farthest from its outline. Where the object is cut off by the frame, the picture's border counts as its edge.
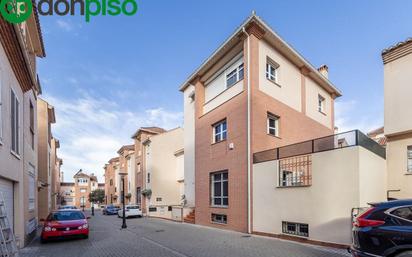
(219, 131)
(148, 178)
(82, 190)
(409, 156)
(82, 180)
(234, 76)
(273, 125)
(219, 183)
(272, 70)
(219, 218)
(321, 104)
(14, 107)
(32, 187)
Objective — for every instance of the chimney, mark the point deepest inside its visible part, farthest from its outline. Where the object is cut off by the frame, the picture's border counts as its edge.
(324, 70)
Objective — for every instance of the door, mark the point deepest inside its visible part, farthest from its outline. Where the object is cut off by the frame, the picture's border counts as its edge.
(6, 188)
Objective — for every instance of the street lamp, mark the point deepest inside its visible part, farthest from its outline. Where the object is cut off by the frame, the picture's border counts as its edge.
(123, 174)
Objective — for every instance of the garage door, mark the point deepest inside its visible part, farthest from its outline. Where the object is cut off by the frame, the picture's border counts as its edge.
(6, 188)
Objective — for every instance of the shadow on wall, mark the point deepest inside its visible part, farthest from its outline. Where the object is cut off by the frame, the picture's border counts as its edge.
(337, 230)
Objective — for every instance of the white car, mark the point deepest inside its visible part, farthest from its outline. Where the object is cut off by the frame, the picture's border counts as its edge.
(131, 211)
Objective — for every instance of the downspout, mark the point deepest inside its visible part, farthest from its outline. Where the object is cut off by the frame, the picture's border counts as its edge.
(249, 229)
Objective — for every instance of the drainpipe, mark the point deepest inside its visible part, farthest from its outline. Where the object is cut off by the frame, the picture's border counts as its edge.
(249, 229)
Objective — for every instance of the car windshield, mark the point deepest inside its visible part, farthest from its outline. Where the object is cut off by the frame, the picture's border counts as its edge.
(66, 215)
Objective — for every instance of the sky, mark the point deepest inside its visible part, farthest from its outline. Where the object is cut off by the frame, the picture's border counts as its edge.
(114, 74)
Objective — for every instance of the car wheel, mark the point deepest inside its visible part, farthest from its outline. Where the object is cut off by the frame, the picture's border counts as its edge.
(405, 254)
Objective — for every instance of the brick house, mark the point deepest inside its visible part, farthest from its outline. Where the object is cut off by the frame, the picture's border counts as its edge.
(236, 111)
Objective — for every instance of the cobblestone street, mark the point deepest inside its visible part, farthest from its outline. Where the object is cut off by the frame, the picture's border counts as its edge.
(158, 238)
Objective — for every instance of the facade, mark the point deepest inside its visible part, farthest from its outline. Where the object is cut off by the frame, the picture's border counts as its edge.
(111, 193)
(67, 192)
(254, 93)
(84, 184)
(141, 135)
(125, 167)
(397, 122)
(164, 174)
(55, 164)
(296, 189)
(45, 118)
(19, 88)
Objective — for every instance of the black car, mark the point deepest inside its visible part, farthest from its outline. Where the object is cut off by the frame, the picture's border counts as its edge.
(385, 229)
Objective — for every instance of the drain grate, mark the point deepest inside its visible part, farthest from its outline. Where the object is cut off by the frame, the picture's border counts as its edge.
(246, 236)
(160, 230)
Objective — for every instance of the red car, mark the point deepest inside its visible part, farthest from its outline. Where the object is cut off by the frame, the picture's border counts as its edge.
(65, 224)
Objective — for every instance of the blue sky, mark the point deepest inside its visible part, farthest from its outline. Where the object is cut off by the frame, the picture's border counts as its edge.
(108, 77)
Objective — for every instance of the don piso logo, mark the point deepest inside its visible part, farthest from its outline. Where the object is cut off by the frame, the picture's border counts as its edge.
(17, 11)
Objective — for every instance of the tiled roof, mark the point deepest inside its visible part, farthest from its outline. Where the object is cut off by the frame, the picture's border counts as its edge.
(125, 147)
(393, 47)
(153, 130)
(36, 17)
(115, 159)
(376, 131)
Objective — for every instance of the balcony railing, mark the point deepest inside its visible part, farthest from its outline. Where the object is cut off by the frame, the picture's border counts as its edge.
(332, 142)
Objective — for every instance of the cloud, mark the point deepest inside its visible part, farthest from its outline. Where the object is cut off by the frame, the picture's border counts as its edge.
(64, 25)
(347, 117)
(91, 130)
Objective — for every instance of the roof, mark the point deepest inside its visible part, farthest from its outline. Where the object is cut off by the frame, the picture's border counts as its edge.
(271, 36)
(376, 132)
(115, 159)
(36, 17)
(70, 184)
(151, 130)
(80, 173)
(397, 51)
(125, 148)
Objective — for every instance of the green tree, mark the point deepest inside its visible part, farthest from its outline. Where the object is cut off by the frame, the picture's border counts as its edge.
(97, 196)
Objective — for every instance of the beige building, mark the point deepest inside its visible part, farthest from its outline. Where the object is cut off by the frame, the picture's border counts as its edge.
(164, 169)
(19, 87)
(84, 184)
(110, 190)
(45, 118)
(306, 191)
(67, 192)
(55, 164)
(398, 122)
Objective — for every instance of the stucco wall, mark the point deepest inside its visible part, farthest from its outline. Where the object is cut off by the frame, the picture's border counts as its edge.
(189, 146)
(397, 91)
(161, 163)
(337, 177)
(398, 177)
(313, 90)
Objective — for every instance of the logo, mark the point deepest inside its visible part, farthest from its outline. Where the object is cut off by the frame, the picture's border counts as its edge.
(67, 229)
(16, 11)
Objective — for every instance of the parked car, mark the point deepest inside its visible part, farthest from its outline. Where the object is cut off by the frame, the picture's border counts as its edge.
(130, 211)
(63, 224)
(110, 210)
(384, 229)
(67, 207)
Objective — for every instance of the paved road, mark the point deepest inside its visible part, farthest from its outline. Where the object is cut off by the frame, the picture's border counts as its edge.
(147, 237)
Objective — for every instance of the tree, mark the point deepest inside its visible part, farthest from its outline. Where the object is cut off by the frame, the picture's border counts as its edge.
(97, 196)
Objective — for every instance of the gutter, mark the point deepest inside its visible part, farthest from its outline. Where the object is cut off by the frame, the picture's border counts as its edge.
(248, 155)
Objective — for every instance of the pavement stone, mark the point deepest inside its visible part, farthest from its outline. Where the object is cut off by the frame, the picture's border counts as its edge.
(150, 237)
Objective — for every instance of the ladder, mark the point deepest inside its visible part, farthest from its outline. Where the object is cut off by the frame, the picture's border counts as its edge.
(8, 246)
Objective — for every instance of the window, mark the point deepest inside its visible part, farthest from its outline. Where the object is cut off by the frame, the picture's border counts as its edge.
(14, 102)
(219, 218)
(138, 167)
(115, 189)
(321, 104)
(32, 125)
(272, 70)
(297, 229)
(219, 131)
(219, 189)
(273, 125)
(82, 190)
(138, 196)
(403, 213)
(148, 177)
(192, 96)
(111, 182)
(158, 199)
(295, 171)
(32, 188)
(410, 158)
(82, 181)
(234, 76)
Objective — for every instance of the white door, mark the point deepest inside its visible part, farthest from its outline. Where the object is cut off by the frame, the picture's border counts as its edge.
(6, 188)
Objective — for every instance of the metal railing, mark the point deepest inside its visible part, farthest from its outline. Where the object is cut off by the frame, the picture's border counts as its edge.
(332, 142)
